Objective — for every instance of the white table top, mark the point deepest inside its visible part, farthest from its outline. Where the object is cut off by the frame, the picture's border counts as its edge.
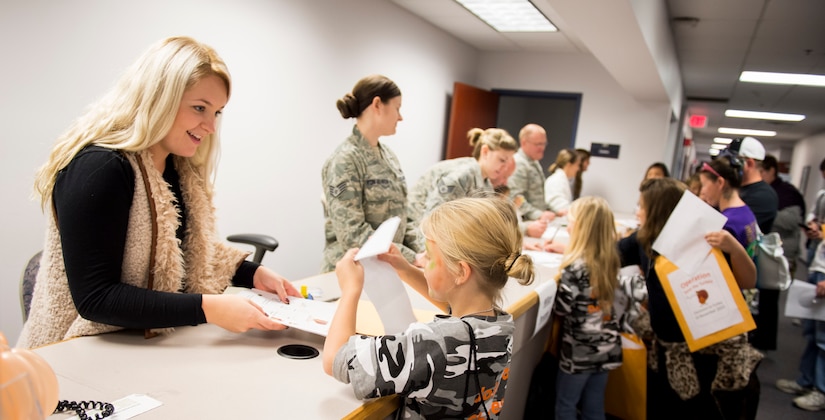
(202, 372)
(207, 372)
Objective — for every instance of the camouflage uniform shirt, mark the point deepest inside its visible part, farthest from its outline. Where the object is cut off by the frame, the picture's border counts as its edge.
(431, 366)
(590, 338)
(446, 181)
(363, 187)
(528, 181)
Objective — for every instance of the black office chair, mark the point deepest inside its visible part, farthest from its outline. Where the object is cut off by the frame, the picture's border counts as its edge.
(262, 243)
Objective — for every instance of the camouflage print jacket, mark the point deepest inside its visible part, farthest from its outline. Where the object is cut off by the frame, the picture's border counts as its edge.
(430, 365)
(446, 181)
(363, 187)
(590, 338)
(528, 182)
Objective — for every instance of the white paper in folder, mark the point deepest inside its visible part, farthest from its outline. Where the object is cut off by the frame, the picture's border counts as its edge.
(381, 283)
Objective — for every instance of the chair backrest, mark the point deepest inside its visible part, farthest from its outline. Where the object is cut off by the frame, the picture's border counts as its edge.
(27, 283)
(262, 243)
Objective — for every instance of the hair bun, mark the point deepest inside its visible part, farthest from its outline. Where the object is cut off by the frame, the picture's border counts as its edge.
(348, 106)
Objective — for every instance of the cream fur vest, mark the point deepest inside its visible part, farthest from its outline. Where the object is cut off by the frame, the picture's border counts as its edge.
(152, 257)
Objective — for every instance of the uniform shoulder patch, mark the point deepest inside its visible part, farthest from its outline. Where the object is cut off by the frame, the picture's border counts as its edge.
(443, 188)
(336, 190)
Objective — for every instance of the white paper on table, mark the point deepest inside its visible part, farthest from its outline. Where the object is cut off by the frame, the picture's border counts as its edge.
(704, 298)
(547, 297)
(557, 232)
(304, 314)
(803, 303)
(126, 407)
(548, 259)
(381, 283)
(682, 239)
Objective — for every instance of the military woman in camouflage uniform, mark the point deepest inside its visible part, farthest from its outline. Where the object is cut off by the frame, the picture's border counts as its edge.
(463, 177)
(362, 179)
(457, 365)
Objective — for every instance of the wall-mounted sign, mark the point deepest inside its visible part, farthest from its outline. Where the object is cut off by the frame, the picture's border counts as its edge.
(604, 150)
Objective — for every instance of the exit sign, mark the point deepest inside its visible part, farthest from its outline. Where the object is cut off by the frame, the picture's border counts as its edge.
(698, 121)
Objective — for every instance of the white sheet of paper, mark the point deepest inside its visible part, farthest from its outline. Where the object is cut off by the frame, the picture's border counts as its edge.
(704, 298)
(548, 259)
(127, 407)
(304, 314)
(380, 241)
(682, 239)
(547, 297)
(381, 283)
(803, 303)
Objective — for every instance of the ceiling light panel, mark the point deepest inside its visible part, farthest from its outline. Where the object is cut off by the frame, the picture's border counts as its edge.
(509, 15)
(746, 132)
(782, 78)
(722, 140)
(735, 113)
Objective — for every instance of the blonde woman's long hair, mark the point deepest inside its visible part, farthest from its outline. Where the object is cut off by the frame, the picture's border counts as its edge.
(484, 233)
(140, 110)
(593, 240)
(493, 138)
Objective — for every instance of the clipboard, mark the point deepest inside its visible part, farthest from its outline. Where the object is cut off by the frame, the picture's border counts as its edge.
(665, 268)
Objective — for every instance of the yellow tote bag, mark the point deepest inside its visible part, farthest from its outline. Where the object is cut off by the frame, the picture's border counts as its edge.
(626, 392)
(726, 284)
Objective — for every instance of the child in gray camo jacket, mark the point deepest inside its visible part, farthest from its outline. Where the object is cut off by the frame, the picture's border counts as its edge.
(591, 345)
(457, 365)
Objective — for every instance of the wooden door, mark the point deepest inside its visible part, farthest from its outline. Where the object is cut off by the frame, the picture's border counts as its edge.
(471, 107)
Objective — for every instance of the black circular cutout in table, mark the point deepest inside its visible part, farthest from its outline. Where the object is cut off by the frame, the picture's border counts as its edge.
(298, 351)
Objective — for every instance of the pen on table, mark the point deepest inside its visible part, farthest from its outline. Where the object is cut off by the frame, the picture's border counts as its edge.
(554, 236)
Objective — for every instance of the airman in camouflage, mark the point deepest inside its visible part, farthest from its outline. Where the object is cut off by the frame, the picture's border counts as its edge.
(528, 179)
(445, 181)
(457, 178)
(363, 187)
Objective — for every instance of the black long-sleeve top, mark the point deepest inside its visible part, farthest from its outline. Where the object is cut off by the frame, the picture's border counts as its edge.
(92, 199)
(662, 319)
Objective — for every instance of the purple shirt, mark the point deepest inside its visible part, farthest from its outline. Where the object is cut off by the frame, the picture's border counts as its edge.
(742, 225)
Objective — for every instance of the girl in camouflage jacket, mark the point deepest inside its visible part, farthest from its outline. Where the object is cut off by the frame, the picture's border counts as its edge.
(457, 365)
(591, 344)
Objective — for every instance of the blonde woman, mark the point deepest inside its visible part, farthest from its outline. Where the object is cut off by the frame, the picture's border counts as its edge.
(557, 189)
(588, 278)
(131, 241)
(457, 365)
(448, 180)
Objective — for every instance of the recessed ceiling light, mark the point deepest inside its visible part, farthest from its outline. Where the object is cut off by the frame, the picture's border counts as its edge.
(719, 146)
(746, 132)
(782, 78)
(509, 15)
(722, 140)
(713, 152)
(735, 113)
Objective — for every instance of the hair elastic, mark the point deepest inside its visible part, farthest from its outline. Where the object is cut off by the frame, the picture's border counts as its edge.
(518, 254)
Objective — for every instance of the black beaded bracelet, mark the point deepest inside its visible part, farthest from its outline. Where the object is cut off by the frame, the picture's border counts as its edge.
(80, 407)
